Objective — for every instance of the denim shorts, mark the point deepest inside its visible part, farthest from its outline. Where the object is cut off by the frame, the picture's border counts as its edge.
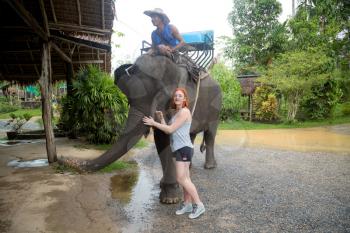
(183, 154)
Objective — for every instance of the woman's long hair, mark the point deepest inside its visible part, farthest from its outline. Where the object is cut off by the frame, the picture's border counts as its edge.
(185, 103)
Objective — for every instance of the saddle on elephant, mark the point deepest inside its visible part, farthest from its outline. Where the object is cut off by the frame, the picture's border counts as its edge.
(182, 59)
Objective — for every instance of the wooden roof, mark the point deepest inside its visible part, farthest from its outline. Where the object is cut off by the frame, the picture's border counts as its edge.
(248, 83)
(79, 32)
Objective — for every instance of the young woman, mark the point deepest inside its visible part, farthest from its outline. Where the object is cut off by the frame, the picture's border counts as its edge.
(182, 147)
(166, 38)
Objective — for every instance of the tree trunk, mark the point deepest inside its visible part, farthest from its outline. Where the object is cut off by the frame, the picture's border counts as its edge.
(45, 82)
(293, 105)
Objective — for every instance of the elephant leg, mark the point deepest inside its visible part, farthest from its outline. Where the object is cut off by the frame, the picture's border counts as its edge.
(169, 188)
(193, 137)
(209, 139)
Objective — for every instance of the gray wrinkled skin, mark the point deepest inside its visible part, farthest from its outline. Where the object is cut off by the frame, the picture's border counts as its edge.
(149, 85)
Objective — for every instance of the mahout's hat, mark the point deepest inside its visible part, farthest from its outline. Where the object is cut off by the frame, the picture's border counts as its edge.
(160, 12)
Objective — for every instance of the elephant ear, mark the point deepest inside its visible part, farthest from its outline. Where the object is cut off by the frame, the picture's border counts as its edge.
(154, 66)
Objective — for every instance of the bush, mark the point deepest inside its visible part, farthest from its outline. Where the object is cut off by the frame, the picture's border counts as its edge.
(17, 121)
(346, 109)
(321, 101)
(265, 104)
(6, 107)
(97, 108)
(231, 91)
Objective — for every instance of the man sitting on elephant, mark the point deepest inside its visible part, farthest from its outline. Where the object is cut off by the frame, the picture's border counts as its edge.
(166, 37)
(167, 41)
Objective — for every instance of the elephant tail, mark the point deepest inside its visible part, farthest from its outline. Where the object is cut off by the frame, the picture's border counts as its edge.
(203, 146)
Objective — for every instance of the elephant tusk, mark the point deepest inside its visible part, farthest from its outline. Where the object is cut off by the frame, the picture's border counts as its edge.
(127, 70)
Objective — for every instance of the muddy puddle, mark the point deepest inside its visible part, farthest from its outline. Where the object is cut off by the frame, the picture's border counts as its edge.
(321, 139)
(135, 190)
(29, 163)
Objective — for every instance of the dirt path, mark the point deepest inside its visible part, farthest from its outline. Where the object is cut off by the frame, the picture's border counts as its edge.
(254, 189)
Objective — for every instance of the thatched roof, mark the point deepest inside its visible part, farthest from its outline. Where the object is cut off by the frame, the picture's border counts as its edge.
(248, 83)
(80, 32)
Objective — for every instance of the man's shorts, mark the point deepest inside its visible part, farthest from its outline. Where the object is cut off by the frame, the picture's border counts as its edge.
(183, 154)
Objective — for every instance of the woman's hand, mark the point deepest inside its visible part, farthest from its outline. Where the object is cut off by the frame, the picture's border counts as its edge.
(148, 121)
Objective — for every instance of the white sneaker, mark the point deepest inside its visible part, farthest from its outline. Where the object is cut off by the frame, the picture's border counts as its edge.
(184, 208)
(197, 211)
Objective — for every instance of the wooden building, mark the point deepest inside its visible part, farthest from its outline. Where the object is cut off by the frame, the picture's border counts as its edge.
(48, 40)
(248, 85)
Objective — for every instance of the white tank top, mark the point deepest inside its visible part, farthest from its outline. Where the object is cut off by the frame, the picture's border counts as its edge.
(181, 137)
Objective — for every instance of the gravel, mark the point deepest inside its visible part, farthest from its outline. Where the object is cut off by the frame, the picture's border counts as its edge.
(259, 190)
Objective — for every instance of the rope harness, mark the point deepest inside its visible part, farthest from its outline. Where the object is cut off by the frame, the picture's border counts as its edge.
(196, 72)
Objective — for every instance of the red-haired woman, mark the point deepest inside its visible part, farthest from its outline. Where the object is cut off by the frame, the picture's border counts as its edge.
(182, 147)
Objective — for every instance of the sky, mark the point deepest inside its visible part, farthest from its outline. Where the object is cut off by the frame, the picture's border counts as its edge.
(186, 15)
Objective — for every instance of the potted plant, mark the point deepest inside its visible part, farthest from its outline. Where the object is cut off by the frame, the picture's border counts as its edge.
(16, 122)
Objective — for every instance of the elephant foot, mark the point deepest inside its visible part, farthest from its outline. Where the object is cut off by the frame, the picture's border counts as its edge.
(210, 164)
(169, 193)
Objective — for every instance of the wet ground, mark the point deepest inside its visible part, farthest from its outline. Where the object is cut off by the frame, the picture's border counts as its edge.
(266, 181)
(326, 139)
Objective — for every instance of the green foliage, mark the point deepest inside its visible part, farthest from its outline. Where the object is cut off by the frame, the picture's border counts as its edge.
(322, 99)
(324, 25)
(294, 73)
(346, 109)
(118, 165)
(142, 143)
(341, 110)
(317, 24)
(27, 116)
(257, 34)
(33, 112)
(13, 116)
(6, 106)
(97, 107)
(17, 121)
(344, 84)
(231, 91)
(265, 104)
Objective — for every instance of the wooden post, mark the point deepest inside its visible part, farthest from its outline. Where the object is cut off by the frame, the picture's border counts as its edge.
(250, 107)
(45, 82)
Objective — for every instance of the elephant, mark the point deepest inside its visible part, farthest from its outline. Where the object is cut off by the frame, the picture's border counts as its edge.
(149, 84)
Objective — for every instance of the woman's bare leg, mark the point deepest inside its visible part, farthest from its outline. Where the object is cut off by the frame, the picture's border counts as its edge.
(183, 178)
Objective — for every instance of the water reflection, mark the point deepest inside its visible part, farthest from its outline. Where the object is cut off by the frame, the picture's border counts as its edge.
(30, 163)
(136, 190)
(122, 185)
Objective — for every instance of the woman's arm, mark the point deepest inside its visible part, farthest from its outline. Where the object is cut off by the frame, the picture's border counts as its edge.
(180, 119)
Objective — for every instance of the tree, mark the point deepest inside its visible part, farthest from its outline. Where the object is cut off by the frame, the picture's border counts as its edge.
(231, 91)
(325, 25)
(316, 24)
(294, 74)
(257, 34)
(97, 108)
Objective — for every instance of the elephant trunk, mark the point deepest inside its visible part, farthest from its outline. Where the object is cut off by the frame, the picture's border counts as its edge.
(134, 130)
